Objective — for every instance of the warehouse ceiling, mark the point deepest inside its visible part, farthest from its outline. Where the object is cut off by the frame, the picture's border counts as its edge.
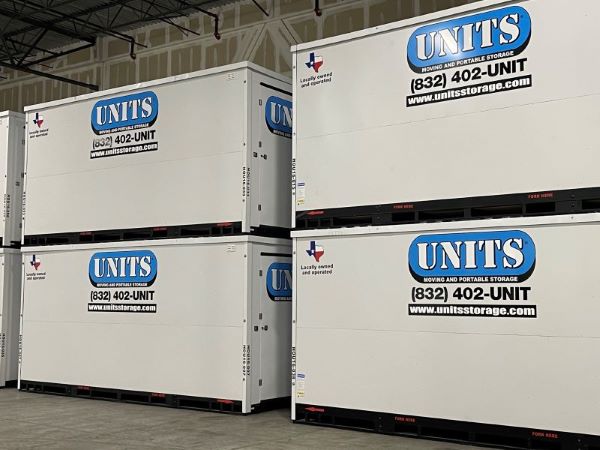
(33, 33)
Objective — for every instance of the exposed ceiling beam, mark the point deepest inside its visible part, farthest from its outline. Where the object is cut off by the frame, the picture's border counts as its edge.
(93, 87)
(41, 24)
(59, 54)
(33, 28)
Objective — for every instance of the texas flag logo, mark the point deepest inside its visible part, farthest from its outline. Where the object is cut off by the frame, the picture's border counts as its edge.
(315, 250)
(314, 62)
(35, 262)
(38, 120)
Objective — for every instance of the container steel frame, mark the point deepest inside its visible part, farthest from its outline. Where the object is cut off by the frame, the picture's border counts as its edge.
(150, 398)
(443, 430)
(569, 201)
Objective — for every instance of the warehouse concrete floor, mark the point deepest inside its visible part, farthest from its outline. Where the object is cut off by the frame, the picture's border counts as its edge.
(36, 421)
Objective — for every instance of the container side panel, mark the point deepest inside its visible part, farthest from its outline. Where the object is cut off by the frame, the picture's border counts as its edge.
(252, 356)
(493, 379)
(11, 290)
(11, 172)
(520, 151)
(13, 207)
(174, 148)
(444, 324)
(10, 287)
(5, 328)
(184, 338)
(137, 196)
(295, 200)
(295, 397)
(450, 109)
(251, 174)
(5, 143)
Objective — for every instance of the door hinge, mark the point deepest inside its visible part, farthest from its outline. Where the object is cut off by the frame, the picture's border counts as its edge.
(260, 382)
(260, 273)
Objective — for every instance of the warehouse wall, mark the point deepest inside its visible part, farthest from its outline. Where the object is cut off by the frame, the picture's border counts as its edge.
(246, 35)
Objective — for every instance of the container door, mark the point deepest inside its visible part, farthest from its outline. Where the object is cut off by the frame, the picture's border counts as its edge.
(275, 324)
(4, 329)
(275, 156)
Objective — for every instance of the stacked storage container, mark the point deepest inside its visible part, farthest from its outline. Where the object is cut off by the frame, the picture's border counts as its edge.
(410, 316)
(158, 214)
(12, 153)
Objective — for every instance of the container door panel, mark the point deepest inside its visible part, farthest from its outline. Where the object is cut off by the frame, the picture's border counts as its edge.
(275, 325)
(275, 155)
(4, 329)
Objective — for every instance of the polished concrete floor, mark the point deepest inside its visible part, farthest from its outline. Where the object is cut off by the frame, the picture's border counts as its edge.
(36, 421)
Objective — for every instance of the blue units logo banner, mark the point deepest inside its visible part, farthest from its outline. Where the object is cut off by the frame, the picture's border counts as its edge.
(473, 274)
(124, 125)
(121, 281)
(470, 56)
(279, 281)
(278, 116)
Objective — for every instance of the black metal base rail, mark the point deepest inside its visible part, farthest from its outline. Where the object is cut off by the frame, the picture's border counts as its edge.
(149, 398)
(445, 430)
(151, 233)
(10, 384)
(571, 201)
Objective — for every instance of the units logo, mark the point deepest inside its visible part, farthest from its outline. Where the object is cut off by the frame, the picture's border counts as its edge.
(128, 112)
(484, 257)
(137, 268)
(278, 115)
(316, 251)
(279, 282)
(490, 35)
(314, 62)
(35, 262)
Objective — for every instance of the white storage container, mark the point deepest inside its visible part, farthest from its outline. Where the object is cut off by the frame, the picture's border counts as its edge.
(177, 156)
(12, 155)
(10, 292)
(475, 330)
(198, 322)
(491, 98)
